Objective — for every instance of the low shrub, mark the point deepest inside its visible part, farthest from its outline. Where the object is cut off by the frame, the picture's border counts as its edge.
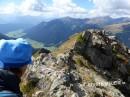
(29, 87)
(81, 39)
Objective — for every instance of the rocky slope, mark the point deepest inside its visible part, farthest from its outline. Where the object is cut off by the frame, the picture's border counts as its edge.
(89, 64)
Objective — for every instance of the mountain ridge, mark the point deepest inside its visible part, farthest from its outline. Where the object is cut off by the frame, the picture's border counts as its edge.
(57, 31)
(82, 70)
(62, 29)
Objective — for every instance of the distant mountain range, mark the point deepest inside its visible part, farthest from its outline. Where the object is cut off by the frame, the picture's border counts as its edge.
(11, 23)
(119, 27)
(121, 30)
(57, 31)
(8, 19)
(104, 21)
(5, 28)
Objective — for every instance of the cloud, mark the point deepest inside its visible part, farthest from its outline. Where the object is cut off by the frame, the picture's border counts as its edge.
(58, 8)
(27, 7)
(61, 8)
(113, 8)
(33, 5)
(8, 9)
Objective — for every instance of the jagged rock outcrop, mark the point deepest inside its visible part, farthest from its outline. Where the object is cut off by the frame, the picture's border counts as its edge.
(97, 65)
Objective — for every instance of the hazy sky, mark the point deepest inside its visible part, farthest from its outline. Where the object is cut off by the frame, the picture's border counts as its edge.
(62, 8)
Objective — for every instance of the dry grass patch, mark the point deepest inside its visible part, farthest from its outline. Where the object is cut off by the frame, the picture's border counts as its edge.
(69, 44)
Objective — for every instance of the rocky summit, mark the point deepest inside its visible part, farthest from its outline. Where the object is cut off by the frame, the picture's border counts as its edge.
(89, 64)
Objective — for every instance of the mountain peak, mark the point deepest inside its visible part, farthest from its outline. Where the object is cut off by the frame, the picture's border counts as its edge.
(81, 67)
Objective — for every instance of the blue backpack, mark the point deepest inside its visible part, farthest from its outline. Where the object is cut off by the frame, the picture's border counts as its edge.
(9, 84)
(7, 94)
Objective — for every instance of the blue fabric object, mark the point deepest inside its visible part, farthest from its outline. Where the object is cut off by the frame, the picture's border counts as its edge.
(7, 94)
(9, 83)
(14, 53)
